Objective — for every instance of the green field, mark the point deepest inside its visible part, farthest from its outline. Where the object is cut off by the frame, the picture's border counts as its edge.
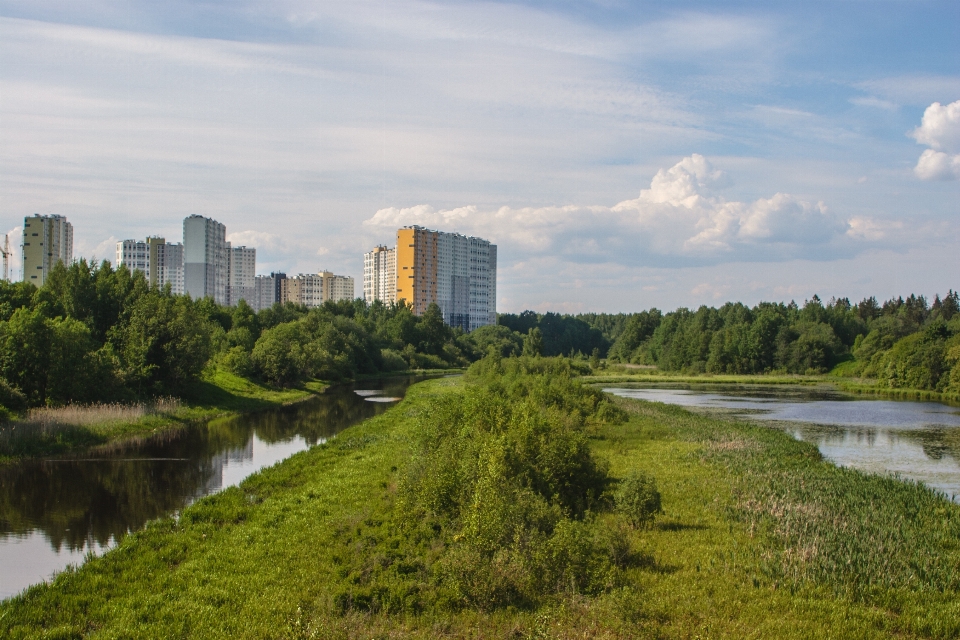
(759, 537)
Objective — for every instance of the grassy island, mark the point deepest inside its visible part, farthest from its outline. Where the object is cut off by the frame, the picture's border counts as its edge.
(506, 504)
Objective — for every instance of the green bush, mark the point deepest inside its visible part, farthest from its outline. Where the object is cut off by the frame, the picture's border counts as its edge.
(638, 499)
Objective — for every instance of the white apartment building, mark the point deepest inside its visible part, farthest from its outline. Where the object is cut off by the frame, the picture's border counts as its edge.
(206, 260)
(380, 275)
(47, 240)
(242, 275)
(161, 262)
(169, 267)
(268, 290)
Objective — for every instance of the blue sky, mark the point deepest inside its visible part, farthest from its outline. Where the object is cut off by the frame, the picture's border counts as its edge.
(622, 155)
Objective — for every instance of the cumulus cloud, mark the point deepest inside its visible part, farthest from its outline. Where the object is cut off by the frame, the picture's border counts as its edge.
(940, 130)
(680, 219)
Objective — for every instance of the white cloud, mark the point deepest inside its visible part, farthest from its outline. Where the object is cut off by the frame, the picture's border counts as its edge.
(940, 130)
(679, 220)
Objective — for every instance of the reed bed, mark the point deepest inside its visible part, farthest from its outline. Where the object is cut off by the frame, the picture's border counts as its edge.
(53, 430)
(77, 415)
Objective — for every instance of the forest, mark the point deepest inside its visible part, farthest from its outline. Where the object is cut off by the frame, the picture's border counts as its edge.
(93, 333)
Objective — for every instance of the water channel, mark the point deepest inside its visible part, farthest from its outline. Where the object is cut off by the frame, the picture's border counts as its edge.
(53, 512)
(915, 440)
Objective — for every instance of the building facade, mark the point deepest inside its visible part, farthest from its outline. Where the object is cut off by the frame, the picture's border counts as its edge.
(457, 272)
(243, 273)
(161, 262)
(380, 275)
(47, 240)
(206, 260)
(167, 266)
(312, 290)
(269, 290)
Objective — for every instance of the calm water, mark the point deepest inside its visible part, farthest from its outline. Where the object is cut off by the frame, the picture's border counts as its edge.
(53, 512)
(913, 439)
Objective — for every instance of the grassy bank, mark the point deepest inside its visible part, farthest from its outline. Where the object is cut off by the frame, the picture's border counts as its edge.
(50, 432)
(759, 538)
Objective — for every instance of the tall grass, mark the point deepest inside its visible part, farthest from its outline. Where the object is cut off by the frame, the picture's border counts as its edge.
(51, 430)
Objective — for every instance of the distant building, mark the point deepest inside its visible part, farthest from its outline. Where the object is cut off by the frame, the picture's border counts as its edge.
(337, 288)
(312, 290)
(242, 279)
(167, 266)
(47, 240)
(268, 290)
(380, 275)
(161, 262)
(206, 262)
(457, 272)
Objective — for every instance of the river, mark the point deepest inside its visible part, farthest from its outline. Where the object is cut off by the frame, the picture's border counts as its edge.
(53, 512)
(915, 440)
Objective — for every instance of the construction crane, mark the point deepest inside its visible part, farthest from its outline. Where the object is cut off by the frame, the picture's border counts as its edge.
(6, 257)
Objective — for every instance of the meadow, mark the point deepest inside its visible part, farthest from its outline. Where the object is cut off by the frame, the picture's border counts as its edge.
(492, 506)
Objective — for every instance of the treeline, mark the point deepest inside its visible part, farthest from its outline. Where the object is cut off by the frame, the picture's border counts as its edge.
(903, 343)
(93, 333)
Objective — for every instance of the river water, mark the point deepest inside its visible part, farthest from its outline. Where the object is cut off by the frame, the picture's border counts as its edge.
(915, 440)
(53, 512)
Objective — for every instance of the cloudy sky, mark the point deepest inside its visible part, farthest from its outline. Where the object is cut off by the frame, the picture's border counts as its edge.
(622, 155)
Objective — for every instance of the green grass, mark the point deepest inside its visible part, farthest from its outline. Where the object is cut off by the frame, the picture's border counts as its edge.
(760, 538)
(218, 393)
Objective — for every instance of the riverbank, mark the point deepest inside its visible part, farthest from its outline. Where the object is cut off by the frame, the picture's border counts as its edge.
(759, 538)
(218, 394)
(850, 385)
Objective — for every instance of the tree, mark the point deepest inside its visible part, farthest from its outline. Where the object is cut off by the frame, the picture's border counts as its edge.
(533, 343)
(25, 342)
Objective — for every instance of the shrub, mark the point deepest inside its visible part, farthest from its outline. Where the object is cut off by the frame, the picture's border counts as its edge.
(638, 499)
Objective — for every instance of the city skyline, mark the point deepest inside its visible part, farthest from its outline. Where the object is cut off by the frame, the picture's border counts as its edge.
(621, 156)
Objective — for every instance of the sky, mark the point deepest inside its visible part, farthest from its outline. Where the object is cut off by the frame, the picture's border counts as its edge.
(622, 155)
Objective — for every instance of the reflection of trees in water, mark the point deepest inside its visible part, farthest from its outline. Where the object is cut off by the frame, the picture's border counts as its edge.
(937, 442)
(74, 501)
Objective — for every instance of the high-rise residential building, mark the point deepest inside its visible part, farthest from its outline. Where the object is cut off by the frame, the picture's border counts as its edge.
(312, 290)
(243, 272)
(160, 261)
(47, 240)
(457, 272)
(380, 275)
(268, 290)
(337, 288)
(206, 262)
(167, 266)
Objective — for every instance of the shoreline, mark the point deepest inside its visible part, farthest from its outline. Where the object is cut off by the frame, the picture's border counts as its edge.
(219, 394)
(851, 386)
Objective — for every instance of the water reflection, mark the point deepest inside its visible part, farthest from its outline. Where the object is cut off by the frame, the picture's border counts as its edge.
(916, 440)
(52, 512)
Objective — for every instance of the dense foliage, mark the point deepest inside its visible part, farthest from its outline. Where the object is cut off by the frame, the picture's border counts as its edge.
(498, 506)
(903, 343)
(93, 333)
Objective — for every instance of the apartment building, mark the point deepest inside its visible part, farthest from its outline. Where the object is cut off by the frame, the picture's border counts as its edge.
(161, 262)
(457, 272)
(312, 290)
(268, 290)
(47, 240)
(380, 275)
(206, 259)
(242, 275)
